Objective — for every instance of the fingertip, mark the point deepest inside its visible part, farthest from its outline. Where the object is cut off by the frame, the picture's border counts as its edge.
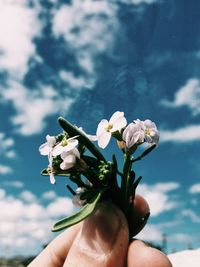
(139, 254)
(139, 215)
(102, 241)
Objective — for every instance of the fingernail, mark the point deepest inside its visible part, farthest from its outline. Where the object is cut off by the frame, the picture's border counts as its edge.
(99, 231)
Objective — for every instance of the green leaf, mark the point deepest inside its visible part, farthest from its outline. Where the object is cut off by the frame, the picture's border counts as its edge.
(91, 162)
(146, 152)
(73, 131)
(44, 172)
(60, 173)
(80, 215)
(134, 185)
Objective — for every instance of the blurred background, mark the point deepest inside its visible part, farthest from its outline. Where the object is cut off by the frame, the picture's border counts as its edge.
(84, 60)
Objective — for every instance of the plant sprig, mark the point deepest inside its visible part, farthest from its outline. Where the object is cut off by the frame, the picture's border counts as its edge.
(96, 178)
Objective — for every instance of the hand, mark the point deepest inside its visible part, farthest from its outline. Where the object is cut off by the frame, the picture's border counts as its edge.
(102, 240)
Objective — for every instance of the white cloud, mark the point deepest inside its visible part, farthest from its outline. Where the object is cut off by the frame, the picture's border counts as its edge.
(5, 169)
(157, 196)
(19, 25)
(195, 188)
(78, 24)
(27, 196)
(181, 238)
(60, 207)
(136, 2)
(15, 184)
(192, 215)
(188, 95)
(32, 220)
(182, 135)
(76, 82)
(166, 187)
(32, 107)
(10, 154)
(49, 195)
(150, 233)
(7, 146)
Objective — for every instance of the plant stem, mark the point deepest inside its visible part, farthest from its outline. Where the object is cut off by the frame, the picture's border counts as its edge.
(125, 179)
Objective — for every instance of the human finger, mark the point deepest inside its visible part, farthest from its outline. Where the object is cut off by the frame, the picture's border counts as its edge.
(56, 252)
(139, 215)
(141, 255)
(102, 240)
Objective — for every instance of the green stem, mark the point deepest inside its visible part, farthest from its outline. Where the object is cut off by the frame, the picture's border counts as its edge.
(73, 131)
(125, 178)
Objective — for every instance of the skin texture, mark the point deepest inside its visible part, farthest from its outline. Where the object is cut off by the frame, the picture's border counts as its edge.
(102, 240)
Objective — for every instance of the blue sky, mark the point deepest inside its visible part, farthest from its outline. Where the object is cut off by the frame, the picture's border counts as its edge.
(84, 60)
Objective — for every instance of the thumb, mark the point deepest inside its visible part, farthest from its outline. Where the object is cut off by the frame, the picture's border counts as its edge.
(102, 240)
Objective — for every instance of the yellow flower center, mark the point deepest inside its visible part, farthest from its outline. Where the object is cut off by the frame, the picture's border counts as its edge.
(147, 131)
(109, 127)
(64, 142)
(50, 170)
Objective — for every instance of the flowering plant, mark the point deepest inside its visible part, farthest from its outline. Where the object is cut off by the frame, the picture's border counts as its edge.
(73, 154)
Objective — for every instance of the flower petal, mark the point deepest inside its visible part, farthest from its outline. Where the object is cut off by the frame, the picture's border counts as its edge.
(149, 124)
(57, 150)
(70, 158)
(52, 178)
(133, 134)
(120, 123)
(116, 116)
(76, 153)
(51, 140)
(44, 149)
(71, 145)
(101, 127)
(104, 139)
(66, 165)
(92, 137)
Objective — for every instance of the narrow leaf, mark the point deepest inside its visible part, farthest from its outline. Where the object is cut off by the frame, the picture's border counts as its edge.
(146, 152)
(134, 186)
(45, 172)
(79, 216)
(73, 131)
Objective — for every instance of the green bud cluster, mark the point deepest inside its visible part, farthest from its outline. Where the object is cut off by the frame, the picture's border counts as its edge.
(105, 169)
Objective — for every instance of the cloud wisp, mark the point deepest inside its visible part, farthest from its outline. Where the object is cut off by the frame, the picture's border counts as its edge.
(195, 218)
(19, 25)
(195, 189)
(185, 134)
(188, 96)
(78, 23)
(158, 196)
(7, 146)
(33, 107)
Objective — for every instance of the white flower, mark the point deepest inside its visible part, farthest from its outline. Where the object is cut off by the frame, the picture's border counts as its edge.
(69, 158)
(65, 146)
(139, 132)
(46, 148)
(106, 128)
(76, 200)
(133, 134)
(151, 133)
